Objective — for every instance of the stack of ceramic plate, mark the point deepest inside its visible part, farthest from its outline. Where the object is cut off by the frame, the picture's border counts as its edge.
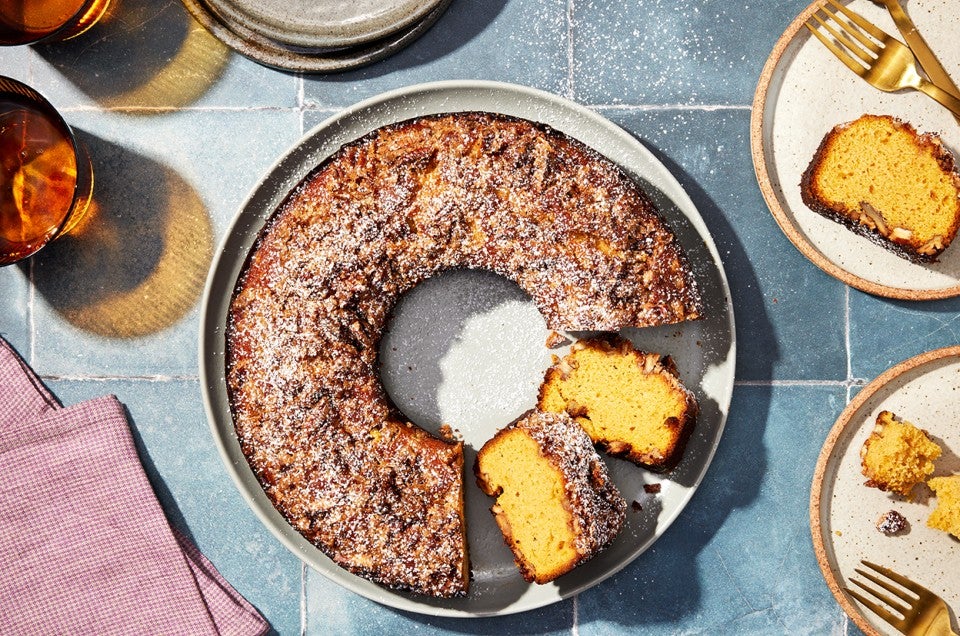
(316, 36)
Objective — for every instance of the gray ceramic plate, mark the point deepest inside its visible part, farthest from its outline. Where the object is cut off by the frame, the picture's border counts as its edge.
(467, 348)
(844, 512)
(307, 60)
(324, 23)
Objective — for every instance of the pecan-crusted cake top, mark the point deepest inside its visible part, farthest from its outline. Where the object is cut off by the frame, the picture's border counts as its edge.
(385, 212)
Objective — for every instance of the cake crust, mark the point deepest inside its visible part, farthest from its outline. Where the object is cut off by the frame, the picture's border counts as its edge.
(375, 493)
(595, 509)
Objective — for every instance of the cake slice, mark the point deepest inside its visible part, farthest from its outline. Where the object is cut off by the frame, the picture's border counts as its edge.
(881, 179)
(946, 516)
(631, 403)
(556, 504)
(897, 455)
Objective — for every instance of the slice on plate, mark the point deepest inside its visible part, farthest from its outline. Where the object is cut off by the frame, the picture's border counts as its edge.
(631, 403)
(883, 180)
(897, 455)
(946, 516)
(556, 504)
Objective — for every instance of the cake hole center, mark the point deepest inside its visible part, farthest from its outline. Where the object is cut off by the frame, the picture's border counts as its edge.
(465, 348)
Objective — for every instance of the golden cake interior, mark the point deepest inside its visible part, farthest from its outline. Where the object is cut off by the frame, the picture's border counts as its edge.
(631, 403)
(897, 455)
(946, 516)
(531, 505)
(882, 174)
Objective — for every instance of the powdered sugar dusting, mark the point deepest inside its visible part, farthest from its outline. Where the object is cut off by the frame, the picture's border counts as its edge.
(378, 495)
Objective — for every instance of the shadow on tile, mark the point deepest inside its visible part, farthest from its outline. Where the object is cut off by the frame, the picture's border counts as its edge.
(143, 55)
(674, 590)
(136, 264)
(463, 21)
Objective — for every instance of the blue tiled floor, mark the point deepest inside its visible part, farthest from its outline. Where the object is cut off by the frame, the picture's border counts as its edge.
(180, 129)
(520, 41)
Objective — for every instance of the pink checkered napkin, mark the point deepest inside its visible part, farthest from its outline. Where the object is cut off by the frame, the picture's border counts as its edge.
(84, 546)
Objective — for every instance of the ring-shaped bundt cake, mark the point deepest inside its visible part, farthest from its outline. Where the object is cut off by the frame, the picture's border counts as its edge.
(381, 497)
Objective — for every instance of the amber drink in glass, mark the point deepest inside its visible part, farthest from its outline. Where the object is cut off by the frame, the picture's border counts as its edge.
(45, 176)
(29, 21)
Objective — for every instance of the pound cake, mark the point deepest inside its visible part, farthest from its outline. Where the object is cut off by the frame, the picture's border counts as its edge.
(946, 516)
(631, 403)
(556, 504)
(897, 455)
(881, 179)
(379, 496)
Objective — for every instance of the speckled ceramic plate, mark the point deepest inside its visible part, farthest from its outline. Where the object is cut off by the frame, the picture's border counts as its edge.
(925, 391)
(271, 53)
(468, 349)
(804, 92)
(324, 23)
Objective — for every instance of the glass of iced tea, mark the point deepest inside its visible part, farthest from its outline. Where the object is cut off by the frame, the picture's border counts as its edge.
(46, 180)
(29, 21)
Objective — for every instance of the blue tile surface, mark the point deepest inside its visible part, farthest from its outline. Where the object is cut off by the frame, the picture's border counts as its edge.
(520, 41)
(739, 559)
(150, 54)
(886, 332)
(121, 295)
(674, 51)
(181, 128)
(15, 295)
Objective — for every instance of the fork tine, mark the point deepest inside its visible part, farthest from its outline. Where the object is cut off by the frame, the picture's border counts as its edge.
(841, 37)
(882, 612)
(840, 53)
(883, 597)
(859, 20)
(916, 588)
(869, 44)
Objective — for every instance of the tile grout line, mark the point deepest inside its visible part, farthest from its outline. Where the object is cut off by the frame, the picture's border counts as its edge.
(303, 107)
(118, 378)
(303, 599)
(776, 383)
(847, 341)
(707, 108)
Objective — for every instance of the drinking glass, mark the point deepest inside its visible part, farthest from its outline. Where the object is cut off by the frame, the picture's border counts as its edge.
(46, 180)
(29, 21)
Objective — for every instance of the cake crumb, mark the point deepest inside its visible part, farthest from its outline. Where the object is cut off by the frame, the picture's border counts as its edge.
(636, 506)
(555, 339)
(891, 523)
(447, 433)
(651, 489)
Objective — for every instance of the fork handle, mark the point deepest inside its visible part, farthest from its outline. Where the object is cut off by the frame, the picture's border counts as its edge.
(940, 95)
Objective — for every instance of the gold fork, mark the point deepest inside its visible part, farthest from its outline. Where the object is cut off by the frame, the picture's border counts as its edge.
(921, 613)
(882, 60)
